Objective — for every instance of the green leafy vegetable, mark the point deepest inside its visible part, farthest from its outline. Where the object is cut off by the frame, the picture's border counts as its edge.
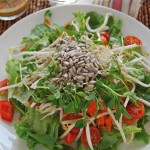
(95, 19)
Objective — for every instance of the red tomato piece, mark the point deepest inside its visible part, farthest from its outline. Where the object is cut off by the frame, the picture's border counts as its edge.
(106, 35)
(95, 136)
(136, 112)
(75, 130)
(72, 135)
(6, 110)
(128, 121)
(104, 40)
(3, 83)
(92, 108)
(71, 116)
(129, 40)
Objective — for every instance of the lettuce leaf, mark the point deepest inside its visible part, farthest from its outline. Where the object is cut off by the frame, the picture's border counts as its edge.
(34, 130)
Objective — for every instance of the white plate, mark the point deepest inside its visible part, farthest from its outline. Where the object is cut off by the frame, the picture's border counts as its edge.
(61, 14)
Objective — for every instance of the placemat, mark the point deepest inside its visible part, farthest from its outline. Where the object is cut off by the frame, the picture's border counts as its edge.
(35, 5)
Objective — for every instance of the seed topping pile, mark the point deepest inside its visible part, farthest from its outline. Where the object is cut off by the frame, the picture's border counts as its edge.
(77, 64)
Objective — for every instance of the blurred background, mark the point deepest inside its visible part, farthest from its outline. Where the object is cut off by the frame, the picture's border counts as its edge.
(139, 9)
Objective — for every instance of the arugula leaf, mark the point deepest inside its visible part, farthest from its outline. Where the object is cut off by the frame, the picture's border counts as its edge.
(95, 19)
(70, 108)
(48, 14)
(81, 123)
(91, 96)
(80, 93)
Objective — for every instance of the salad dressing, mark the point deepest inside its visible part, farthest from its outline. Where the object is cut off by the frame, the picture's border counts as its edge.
(12, 7)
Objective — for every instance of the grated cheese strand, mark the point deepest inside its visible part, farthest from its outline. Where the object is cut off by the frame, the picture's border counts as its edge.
(88, 136)
(117, 124)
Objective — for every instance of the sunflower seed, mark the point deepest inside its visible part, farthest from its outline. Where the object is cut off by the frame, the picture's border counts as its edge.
(79, 70)
(92, 82)
(66, 63)
(74, 69)
(71, 72)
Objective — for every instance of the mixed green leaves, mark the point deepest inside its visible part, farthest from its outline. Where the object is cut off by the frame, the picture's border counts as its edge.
(34, 130)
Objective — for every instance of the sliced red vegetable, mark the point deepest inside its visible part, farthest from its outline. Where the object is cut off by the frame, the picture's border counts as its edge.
(47, 21)
(3, 83)
(128, 121)
(95, 136)
(23, 49)
(75, 130)
(129, 40)
(67, 24)
(92, 108)
(6, 110)
(101, 121)
(71, 136)
(136, 112)
(72, 116)
(104, 40)
(106, 35)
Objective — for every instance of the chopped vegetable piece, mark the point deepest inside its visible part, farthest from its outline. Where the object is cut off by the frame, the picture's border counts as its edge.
(106, 35)
(104, 40)
(71, 136)
(136, 112)
(129, 40)
(95, 136)
(92, 108)
(67, 24)
(47, 21)
(6, 110)
(3, 83)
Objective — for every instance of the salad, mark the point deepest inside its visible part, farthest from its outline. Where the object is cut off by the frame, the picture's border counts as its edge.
(80, 86)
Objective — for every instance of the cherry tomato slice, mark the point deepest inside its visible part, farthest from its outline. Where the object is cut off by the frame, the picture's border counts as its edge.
(95, 136)
(75, 130)
(129, 40)
(104, 40)
(71, 116)
(6, 110)
(3, 83)
(136, 112)
(128, 121)
(106, 35)
(71, 136)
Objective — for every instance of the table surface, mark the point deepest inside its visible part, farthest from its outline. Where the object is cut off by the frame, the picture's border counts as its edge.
(35, 5)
